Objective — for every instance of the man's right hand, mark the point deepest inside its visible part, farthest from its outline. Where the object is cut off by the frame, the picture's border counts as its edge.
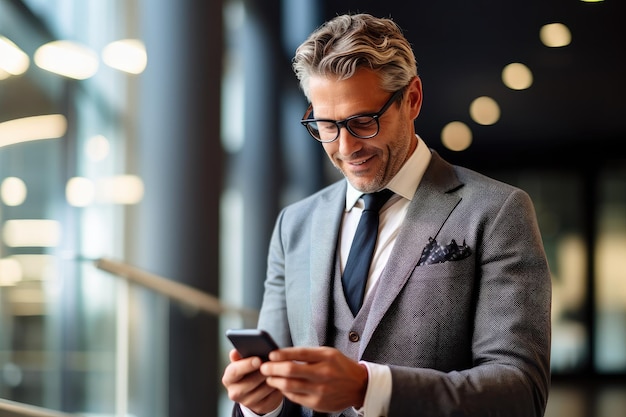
(246, 385)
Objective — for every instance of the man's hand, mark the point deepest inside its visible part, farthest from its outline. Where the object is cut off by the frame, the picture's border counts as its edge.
(321, 378)
(247, 386)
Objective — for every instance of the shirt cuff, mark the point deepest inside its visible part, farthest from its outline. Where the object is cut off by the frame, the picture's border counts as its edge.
(378, 393)
(249, 413)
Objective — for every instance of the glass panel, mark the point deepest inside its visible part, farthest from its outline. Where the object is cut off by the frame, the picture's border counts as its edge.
(610, 285)
(69, 332)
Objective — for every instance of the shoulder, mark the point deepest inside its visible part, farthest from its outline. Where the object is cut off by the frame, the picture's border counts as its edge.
(475, 188)
(462, 177)
(331, 194)
(327, 202)
(481, 181)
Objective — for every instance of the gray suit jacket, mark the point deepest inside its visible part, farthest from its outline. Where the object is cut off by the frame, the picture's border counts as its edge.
(462, 338)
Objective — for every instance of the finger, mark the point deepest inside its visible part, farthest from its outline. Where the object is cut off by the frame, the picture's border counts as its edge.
(234, 355)
(302, 392)
(303, 354)
(239, 369)
(252, 392)
(268, 403)
(289, 385)
(292, 369)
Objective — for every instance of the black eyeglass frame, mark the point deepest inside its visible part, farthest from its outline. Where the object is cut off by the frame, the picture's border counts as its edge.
(345, 122)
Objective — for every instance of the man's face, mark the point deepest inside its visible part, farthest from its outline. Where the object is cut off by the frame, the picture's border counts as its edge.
(368, 164)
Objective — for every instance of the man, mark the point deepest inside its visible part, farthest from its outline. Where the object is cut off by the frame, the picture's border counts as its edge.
(455, 315)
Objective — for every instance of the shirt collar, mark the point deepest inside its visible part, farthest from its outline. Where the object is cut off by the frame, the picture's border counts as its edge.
(406, 181)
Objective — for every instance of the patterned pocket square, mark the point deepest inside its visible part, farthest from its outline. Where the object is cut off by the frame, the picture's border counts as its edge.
(434, 253)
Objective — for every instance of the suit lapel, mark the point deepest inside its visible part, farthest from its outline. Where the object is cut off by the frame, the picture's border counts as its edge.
(431, 206)
(326, 220)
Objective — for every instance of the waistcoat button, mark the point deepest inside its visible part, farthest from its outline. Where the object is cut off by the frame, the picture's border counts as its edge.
(353, 336)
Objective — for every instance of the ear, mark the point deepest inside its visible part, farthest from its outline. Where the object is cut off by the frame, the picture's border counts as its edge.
(414, 94)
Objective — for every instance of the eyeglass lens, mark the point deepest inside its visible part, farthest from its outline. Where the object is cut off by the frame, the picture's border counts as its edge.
(361, 126)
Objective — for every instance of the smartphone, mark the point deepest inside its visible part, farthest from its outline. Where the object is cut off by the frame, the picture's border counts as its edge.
(252, 342)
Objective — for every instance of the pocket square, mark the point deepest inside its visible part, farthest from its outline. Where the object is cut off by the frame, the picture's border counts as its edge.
(433, 253)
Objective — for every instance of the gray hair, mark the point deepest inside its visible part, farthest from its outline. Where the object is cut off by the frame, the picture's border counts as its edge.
(347, 43)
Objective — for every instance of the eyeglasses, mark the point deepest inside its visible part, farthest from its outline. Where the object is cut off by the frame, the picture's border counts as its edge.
(362, 126)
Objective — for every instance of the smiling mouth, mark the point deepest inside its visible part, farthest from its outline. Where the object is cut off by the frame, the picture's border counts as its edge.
(357, 163)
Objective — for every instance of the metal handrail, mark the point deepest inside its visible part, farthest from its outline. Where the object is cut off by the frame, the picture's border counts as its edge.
(173, 289)
(25, 410)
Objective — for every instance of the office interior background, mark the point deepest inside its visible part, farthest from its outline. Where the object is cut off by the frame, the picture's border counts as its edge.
(145, 142)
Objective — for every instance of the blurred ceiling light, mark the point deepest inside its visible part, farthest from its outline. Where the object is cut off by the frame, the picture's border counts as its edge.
(485, 111)
(31, 233)
(27, 296)
(80, 192)
(12, 374)
(555, 35)
(10, 272)
(517, 76)
(128, 55)
(4, 75)
(456, 136)
(13, 191)
(67, 58)
(121, 189)
(36, 267)
(97, 148)
(13, 60)
(591, 1)
(50, 126)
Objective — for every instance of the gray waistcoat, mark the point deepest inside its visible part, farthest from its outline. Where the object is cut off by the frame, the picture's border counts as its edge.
(346, 330)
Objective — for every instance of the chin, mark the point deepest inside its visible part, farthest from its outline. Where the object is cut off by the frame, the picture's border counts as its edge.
(365, 186)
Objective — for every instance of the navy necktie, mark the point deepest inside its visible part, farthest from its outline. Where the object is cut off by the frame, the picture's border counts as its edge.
(358, 265)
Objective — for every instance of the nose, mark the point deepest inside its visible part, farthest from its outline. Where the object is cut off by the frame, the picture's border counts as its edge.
(348, 144)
